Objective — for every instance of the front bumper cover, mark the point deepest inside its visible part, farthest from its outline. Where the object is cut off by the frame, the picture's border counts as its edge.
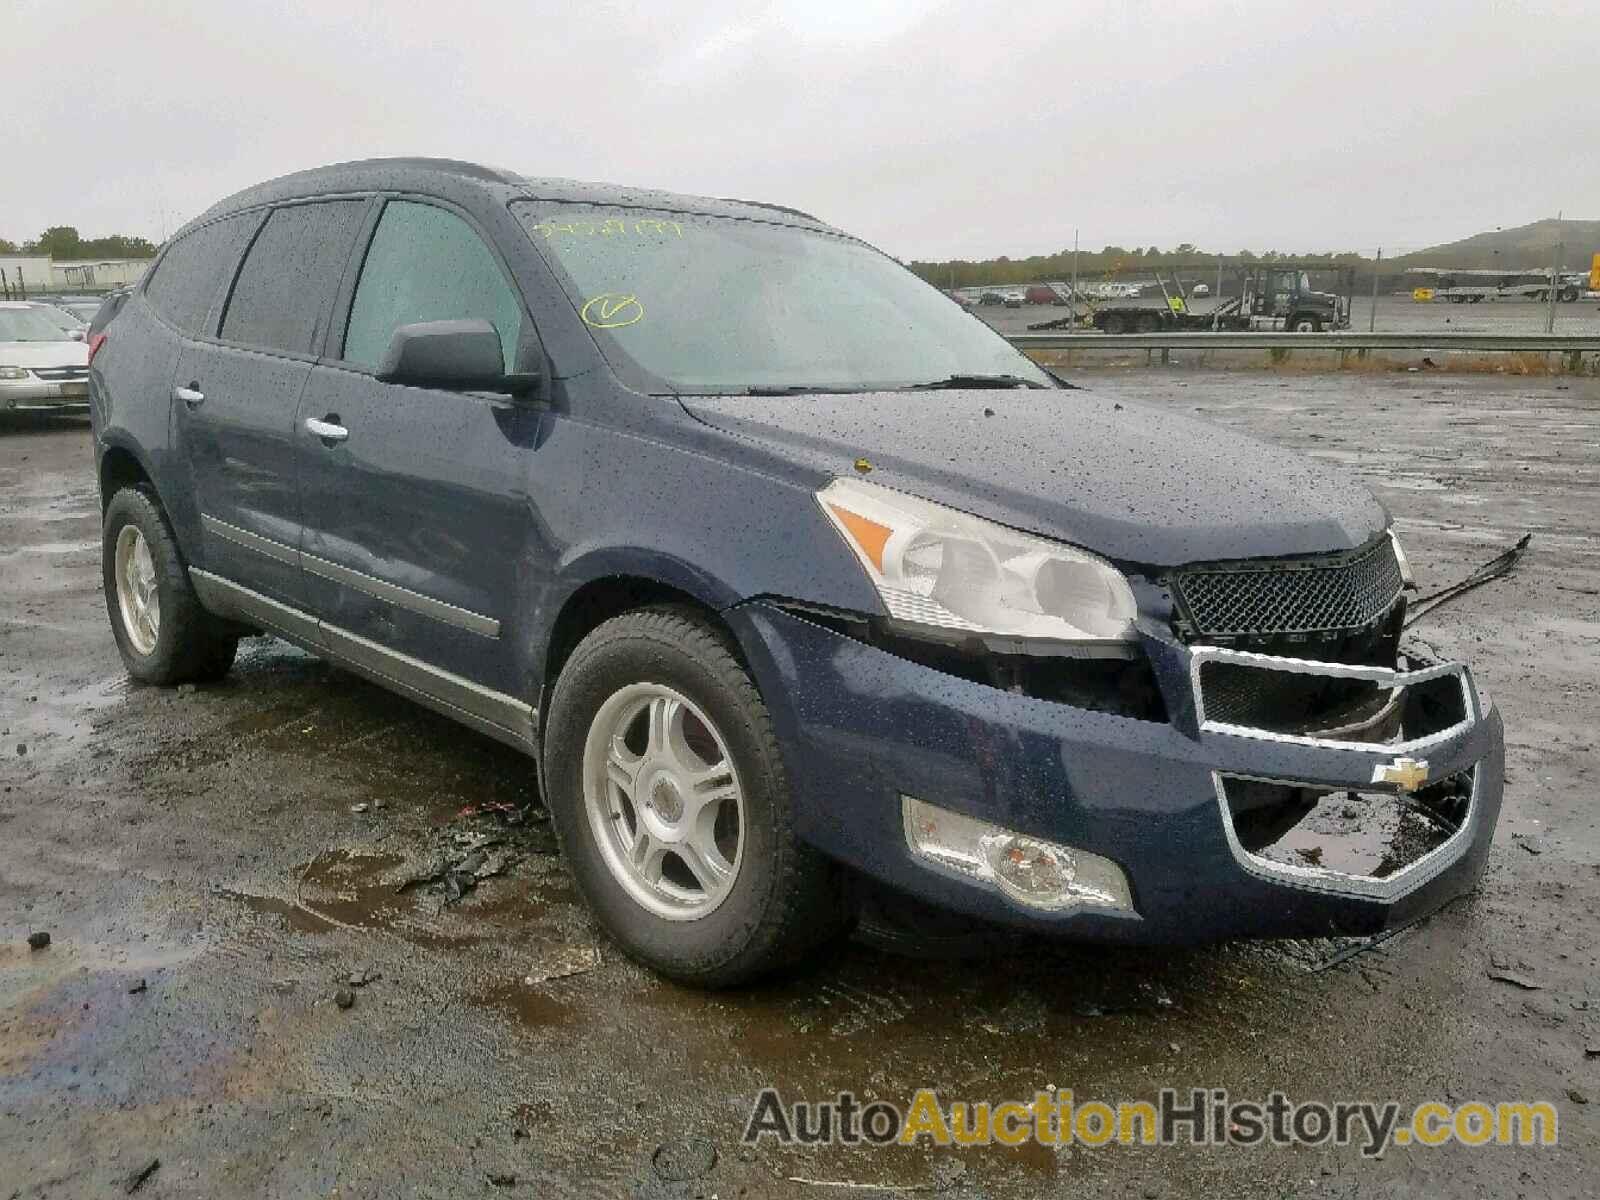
(861, 727)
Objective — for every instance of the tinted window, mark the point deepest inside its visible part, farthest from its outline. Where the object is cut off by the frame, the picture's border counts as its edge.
(290, 274)
(426, 264)
(188, 275)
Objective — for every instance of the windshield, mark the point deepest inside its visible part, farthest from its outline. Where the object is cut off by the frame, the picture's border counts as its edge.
(720, 304)
(29, 325)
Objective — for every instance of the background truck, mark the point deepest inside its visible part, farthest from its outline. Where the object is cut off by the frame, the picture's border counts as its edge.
(1261, 296)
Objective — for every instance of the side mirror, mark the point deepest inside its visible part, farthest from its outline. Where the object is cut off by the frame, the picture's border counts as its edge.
(456, 355)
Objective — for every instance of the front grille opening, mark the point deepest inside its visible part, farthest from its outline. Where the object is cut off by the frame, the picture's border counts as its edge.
(1367, 834)
(1292, 702)
(1302, 704)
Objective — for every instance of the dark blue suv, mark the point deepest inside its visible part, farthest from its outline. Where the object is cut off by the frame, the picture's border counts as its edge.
(798, 585)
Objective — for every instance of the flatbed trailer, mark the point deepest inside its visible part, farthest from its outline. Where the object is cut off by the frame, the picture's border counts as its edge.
(1268, 296)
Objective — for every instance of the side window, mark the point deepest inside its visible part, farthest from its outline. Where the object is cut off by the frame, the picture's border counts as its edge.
(426, 264)
(289, 276)
(187, 278)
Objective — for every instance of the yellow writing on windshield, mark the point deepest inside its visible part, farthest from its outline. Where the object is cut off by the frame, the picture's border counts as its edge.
(610, 227)
(611, 310)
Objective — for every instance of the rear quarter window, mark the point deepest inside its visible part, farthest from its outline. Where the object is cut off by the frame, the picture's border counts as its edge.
(187, 278)
(289, 276)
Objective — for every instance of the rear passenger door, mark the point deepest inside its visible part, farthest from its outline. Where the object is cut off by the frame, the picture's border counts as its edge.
(417, 523)
(237, 388)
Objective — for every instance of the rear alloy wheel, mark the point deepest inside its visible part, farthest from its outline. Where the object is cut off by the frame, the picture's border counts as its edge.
(161, 630)
(670, 798)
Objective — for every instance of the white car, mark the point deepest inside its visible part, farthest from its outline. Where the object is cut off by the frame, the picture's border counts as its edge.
(1200, 289)
(42, 368)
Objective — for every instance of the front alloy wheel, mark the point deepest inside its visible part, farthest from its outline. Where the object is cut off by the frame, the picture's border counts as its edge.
(664, 801)
(668, 791)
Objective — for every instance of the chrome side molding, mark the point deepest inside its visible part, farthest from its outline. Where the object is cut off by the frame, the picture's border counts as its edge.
(400, 597)
(496, 714)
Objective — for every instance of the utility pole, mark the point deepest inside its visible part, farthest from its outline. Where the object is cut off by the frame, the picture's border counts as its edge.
(1372, 315)
(1074, 278)
(1216, 299)
(1555, 281)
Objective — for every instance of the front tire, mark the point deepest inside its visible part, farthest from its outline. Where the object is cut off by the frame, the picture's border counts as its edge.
(1303, 323)
(164, 634)
(669, 796)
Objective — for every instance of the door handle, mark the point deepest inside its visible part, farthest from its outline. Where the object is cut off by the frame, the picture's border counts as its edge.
(328, 431)
(190, 395)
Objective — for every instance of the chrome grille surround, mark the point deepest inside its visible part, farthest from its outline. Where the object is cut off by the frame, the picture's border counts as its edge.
(1387, 679)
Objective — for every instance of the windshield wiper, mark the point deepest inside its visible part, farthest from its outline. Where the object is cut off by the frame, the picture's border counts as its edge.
(972, 381)
(795, 389)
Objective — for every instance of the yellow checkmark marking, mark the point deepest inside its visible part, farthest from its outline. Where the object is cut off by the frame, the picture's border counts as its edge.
(611, 310)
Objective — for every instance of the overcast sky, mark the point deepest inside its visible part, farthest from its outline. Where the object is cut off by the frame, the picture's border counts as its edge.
(932, 128)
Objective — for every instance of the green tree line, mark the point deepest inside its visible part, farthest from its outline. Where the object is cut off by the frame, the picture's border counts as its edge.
(64, 244)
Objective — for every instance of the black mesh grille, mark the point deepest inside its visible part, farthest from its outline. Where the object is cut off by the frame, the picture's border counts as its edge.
(59, 374)
(1304, 596)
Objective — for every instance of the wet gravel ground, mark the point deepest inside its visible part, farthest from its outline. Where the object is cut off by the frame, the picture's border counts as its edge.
(217, 865)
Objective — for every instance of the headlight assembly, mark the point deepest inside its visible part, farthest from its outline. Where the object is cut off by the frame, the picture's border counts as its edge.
(13, 372)
(946, 570)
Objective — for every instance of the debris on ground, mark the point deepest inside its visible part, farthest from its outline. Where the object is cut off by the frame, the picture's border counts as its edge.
(563, 963)
(1525, 982)
(344, 998)
(498, 836)
(39, 940)
(683, 1160)
(136, 987)
(359, 808)
(363, 977)
(1592, 1050)
(136, 1178)
(1577, 1096)
(503, 1179)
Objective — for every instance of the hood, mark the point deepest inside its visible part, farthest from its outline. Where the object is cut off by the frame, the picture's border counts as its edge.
(44, 354)
(1129, 481)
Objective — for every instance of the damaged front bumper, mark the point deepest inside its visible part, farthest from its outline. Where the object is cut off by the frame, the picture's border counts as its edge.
(1221, 828)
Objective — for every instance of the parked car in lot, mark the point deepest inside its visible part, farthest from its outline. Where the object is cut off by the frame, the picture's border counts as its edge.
(67, 322)
(784, 587)
(42, 367)
(81, 307)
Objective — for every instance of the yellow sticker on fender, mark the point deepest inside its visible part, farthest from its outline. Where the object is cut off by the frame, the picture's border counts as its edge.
(611, 310)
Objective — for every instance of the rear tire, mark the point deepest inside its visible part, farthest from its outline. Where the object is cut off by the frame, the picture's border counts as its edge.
(1150, 323)
(711, 903)
(1115, 323)
(164, 634)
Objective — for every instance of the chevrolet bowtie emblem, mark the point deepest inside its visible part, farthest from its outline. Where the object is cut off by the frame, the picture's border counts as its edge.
(1408, 774)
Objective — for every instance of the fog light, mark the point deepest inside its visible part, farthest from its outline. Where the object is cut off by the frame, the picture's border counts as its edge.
(1028, 869)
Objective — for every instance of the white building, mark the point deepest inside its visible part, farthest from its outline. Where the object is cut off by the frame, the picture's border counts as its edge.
(36, 274)
(21, 273)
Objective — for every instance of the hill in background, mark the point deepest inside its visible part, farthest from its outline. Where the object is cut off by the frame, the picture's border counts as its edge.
(1525, 246)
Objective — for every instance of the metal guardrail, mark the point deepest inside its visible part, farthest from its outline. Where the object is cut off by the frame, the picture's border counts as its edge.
(1345, 340)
